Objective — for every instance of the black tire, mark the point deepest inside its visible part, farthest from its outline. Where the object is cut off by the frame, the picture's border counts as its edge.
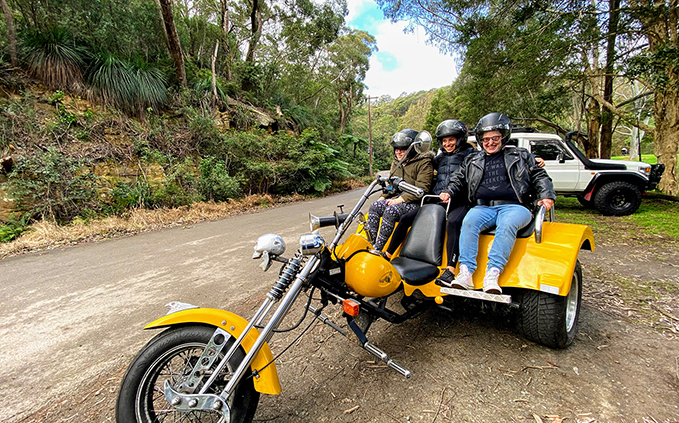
(585, 203)
(548, 319)
(617, 199)
(139, 399)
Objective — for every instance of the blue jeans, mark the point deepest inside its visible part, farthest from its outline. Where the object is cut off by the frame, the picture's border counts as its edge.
(508, 219)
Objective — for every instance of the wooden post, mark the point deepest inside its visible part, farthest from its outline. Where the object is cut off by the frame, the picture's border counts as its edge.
(370, 137)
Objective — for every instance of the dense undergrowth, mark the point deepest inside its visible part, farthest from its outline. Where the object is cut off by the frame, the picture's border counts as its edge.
(67, 160)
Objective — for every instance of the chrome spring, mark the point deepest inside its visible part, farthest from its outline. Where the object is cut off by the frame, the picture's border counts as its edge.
(287, 276)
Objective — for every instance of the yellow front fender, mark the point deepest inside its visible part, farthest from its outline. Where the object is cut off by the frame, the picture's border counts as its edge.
(266, 380)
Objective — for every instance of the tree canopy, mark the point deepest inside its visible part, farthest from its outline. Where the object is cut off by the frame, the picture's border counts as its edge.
(558, 62)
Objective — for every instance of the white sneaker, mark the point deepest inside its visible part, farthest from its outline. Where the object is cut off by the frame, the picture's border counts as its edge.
(490, 285)
(463, 280)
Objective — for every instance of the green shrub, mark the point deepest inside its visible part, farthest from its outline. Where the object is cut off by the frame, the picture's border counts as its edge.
(125, 196)
(52, 185)
(132, 89)
(14, 227)
(282, 164)
(215, 182)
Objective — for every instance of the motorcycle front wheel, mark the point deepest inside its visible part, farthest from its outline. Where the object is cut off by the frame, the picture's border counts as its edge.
(171, 356)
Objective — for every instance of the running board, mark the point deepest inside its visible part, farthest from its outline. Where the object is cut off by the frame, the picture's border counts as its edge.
(479, 295)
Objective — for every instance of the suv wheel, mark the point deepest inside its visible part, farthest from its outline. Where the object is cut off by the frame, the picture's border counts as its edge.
(617, 199)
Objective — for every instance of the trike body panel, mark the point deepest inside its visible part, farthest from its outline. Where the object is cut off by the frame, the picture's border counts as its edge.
(547, 266)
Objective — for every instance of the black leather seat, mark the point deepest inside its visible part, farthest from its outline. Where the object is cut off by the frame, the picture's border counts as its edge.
(422, 252)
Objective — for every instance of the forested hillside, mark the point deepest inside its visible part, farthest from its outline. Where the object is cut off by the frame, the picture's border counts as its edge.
(109, 105)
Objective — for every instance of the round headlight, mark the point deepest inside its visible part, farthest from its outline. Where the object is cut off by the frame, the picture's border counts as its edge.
(310, 244)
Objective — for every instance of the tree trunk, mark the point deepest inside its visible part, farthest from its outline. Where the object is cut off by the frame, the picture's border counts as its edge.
(593, 73)
(11, 33)
(594, 115)
(637, 136)
(607, 115)
(173, 40)
(256, 29)
(661, 31)
(214, 75)
(666, 113)
(225, 40)
(343, 112)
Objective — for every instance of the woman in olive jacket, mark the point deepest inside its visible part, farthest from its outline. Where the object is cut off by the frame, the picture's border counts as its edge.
(416, 169)
(452, 139)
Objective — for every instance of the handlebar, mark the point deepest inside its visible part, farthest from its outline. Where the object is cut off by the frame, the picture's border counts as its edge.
(539, 220)
(411, 189)
(379, 181)
(404, 186)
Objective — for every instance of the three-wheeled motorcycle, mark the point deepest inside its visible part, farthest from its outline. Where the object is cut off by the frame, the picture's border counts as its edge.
(211, 365)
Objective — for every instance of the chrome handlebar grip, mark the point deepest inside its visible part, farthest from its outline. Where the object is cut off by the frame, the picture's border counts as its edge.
(539, 220)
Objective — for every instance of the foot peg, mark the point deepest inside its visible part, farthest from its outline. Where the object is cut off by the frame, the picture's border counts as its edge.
(372, 349)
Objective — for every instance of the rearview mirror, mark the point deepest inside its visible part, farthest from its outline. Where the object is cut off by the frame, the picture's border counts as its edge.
(423, 142)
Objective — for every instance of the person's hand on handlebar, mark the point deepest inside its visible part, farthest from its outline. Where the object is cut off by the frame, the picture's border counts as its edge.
(547, 202)
(393, 201)
(444, 196)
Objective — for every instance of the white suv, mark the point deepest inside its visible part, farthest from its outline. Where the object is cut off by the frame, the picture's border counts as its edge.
(614, 187)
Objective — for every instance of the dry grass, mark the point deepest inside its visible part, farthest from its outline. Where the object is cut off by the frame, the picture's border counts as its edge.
(47, 234)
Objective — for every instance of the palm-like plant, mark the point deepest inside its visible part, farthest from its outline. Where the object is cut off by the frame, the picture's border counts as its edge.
(133, 89)
(53, 57)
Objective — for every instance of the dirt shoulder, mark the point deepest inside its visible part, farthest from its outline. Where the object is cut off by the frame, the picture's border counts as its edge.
(471, 366)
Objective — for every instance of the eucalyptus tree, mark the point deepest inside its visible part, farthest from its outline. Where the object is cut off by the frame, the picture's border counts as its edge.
(173, 44)
(349, 61)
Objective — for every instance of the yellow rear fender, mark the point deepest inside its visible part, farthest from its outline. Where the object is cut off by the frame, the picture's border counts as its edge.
(546, 267)
(266, 380)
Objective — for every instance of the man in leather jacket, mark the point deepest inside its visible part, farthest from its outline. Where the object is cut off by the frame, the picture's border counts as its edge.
(502, 183)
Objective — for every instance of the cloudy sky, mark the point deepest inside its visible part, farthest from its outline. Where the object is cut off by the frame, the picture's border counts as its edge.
(404, 63)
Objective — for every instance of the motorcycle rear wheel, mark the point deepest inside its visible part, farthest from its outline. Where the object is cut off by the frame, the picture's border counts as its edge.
(171, 356)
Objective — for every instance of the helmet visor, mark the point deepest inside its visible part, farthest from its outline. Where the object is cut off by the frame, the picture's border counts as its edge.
(401, 140)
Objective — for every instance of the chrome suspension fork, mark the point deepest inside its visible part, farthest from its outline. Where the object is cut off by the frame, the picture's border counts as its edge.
(273, 296)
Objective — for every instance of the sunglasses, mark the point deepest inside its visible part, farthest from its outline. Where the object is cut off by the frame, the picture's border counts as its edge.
(489, 139)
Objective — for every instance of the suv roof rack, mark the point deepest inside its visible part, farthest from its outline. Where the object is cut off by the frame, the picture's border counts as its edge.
(523, 129)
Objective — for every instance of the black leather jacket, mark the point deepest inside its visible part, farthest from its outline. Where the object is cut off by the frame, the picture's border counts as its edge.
(530, 182)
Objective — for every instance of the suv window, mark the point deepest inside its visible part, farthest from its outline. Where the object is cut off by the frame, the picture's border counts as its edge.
(549, 150)
(514, 142)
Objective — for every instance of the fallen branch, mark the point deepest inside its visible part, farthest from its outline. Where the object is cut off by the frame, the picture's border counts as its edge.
(440, 404)
(352, 409)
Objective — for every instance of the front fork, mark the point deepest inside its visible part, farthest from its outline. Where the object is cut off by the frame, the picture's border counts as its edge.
(202, 400)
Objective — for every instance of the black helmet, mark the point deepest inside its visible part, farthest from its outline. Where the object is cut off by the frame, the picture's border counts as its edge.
(452, 128)
(494, 122)
(403, 138)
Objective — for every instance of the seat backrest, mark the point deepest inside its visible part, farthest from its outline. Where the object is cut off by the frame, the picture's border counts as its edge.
(426, 236)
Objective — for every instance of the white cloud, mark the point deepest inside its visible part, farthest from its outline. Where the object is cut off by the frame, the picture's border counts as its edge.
(404, 63)
(420, 66)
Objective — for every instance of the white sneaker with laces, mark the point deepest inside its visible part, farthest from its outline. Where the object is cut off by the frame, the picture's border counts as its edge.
(463, 280)
(490, 285)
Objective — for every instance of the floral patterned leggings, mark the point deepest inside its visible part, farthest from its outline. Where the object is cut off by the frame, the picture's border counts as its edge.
(390, 215)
